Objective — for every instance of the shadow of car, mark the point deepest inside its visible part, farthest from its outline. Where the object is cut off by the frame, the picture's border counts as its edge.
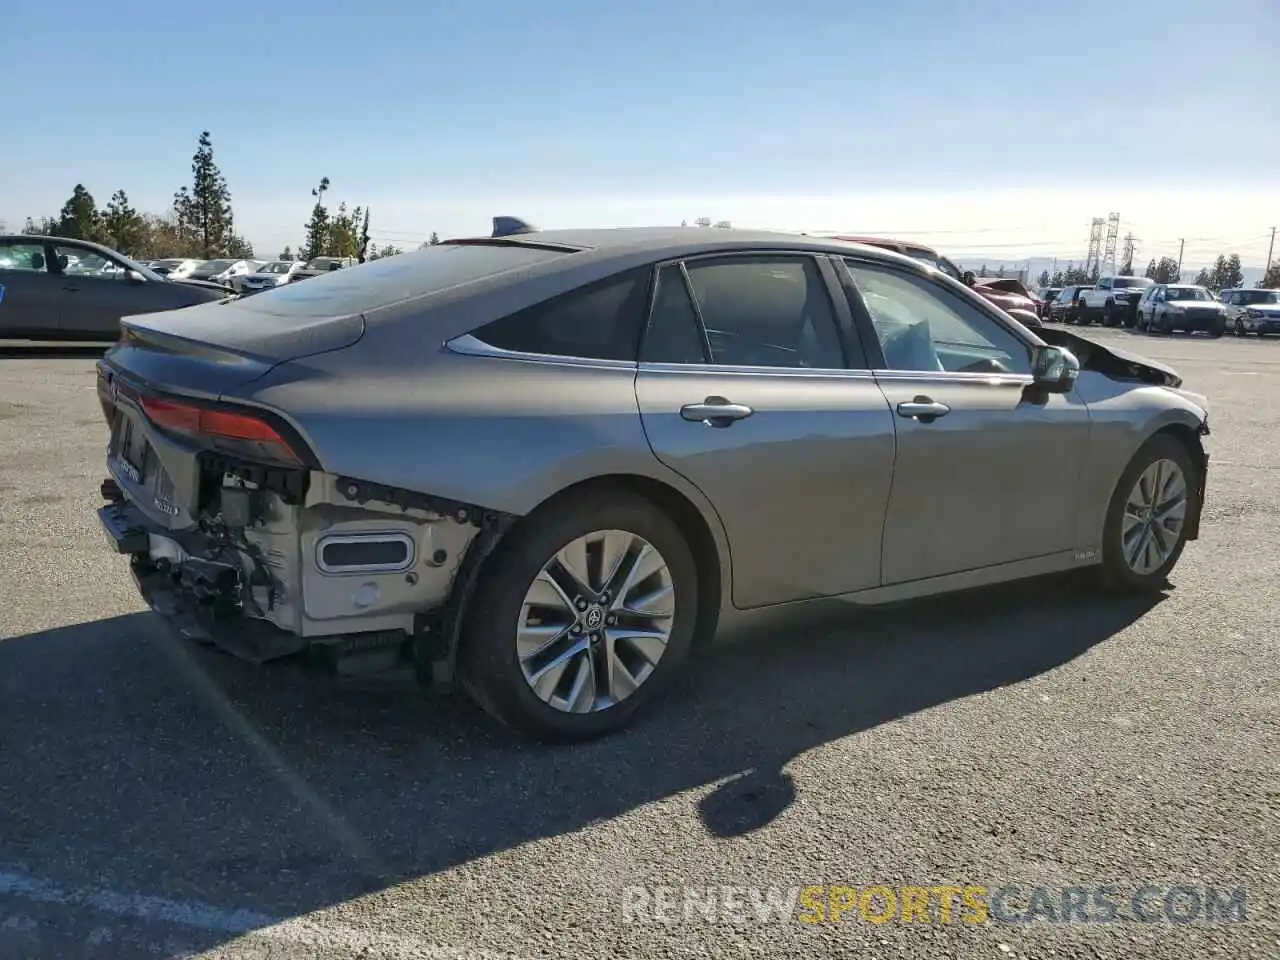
(143, 762)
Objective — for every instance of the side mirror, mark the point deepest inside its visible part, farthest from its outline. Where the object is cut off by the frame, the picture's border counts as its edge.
(1054, 369)
(133, 276)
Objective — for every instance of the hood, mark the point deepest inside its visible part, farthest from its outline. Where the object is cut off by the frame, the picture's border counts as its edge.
(1195, 304)
(1111, 361)
(206, 284)
(1002, 298)
(1272, 309)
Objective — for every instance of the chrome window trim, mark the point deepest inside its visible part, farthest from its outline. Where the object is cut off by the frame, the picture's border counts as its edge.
(469, 345)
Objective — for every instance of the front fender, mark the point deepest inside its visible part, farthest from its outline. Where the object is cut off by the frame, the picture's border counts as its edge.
(1122, 417)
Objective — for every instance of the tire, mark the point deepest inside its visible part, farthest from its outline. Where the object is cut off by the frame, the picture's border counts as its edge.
(1239, 327)
(1116, 573)
(1109, 314)
(1218, 329)
(491, 667)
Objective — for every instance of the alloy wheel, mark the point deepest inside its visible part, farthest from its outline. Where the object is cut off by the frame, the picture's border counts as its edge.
(1154, 516)
(596, 621)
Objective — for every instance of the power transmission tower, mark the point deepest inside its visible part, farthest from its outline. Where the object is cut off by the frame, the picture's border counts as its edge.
(1109, 254)
(1128, 252)
(1093, 259)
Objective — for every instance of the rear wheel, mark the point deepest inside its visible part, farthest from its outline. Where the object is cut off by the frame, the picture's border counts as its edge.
(583, 618)
(1146, 526)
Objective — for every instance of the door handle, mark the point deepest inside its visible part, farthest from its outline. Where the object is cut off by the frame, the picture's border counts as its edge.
(924, 409)
(715, 412)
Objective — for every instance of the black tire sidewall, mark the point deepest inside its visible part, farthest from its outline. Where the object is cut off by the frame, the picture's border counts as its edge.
(490, 668)
(1115, 571)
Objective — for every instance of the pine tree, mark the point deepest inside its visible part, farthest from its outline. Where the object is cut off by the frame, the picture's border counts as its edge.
(317, 228)
(123, 227)
(79, 218)
(364, 236)
(203, 213)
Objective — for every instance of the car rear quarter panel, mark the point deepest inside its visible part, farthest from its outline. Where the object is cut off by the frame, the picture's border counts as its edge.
(500, 433)
(1122, 417)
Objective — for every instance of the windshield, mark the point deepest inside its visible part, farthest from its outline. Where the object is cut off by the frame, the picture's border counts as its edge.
(1188, 293)
(276, 266)
(213, 266)
(1122, 282)
(1260, 296)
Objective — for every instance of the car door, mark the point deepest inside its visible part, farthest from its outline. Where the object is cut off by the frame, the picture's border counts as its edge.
(1146, 304)
(96, 299)
(753, 386)
(30, 295)
(986, 471)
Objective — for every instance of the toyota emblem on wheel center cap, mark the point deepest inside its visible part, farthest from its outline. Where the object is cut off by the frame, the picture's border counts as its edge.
(594, 616)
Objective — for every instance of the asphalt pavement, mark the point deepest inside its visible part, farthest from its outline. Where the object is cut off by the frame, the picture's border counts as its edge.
(157, 799)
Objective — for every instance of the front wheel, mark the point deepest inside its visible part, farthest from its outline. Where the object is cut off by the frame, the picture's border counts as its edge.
(1239, 327)
(1146, 525)
(584, 616)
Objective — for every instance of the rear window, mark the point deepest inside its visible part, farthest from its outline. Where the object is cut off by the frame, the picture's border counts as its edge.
(388, 280)
(1123, 282)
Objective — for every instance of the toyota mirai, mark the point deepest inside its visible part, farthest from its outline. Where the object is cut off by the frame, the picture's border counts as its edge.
(543, 464)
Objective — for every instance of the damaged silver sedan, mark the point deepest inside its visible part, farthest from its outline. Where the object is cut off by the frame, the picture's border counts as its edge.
(542, 464)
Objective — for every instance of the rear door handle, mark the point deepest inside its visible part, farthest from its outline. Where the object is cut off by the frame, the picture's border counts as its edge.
(715, 412)
(924, 409)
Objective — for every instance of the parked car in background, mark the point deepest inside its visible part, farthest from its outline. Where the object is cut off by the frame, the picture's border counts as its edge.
(59, 289)
(1065, 307)
(225, 272)
(175, 269)
(1006, 293)
(916, 251)
(271, 274)
(318, 265)
(1011, 296)
(1044, 297)
(1113, 300)
(1252, 310)
(665, 398)
(1185, 307)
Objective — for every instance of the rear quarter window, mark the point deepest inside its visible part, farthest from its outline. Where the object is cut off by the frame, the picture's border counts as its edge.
(380, 283)
(601, 321)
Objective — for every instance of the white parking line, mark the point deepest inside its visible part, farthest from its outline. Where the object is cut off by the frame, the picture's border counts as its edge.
(246, 925)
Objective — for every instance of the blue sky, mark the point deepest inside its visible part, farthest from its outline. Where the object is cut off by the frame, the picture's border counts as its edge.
(440, 114)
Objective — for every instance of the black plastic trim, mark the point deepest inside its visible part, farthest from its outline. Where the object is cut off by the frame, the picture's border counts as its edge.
(364, 491)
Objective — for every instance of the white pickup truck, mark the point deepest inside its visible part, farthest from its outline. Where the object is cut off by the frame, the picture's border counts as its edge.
(1113, 300)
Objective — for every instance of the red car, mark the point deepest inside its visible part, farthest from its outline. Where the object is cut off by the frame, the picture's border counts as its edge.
(1006, 293)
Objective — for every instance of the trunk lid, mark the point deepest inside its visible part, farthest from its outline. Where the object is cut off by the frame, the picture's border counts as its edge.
(201, 353)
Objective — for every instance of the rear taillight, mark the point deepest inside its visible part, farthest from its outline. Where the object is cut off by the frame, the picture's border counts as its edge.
(236, 432)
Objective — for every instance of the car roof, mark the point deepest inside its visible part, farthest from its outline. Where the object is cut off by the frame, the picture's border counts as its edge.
(41, 238)
(660, 243)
